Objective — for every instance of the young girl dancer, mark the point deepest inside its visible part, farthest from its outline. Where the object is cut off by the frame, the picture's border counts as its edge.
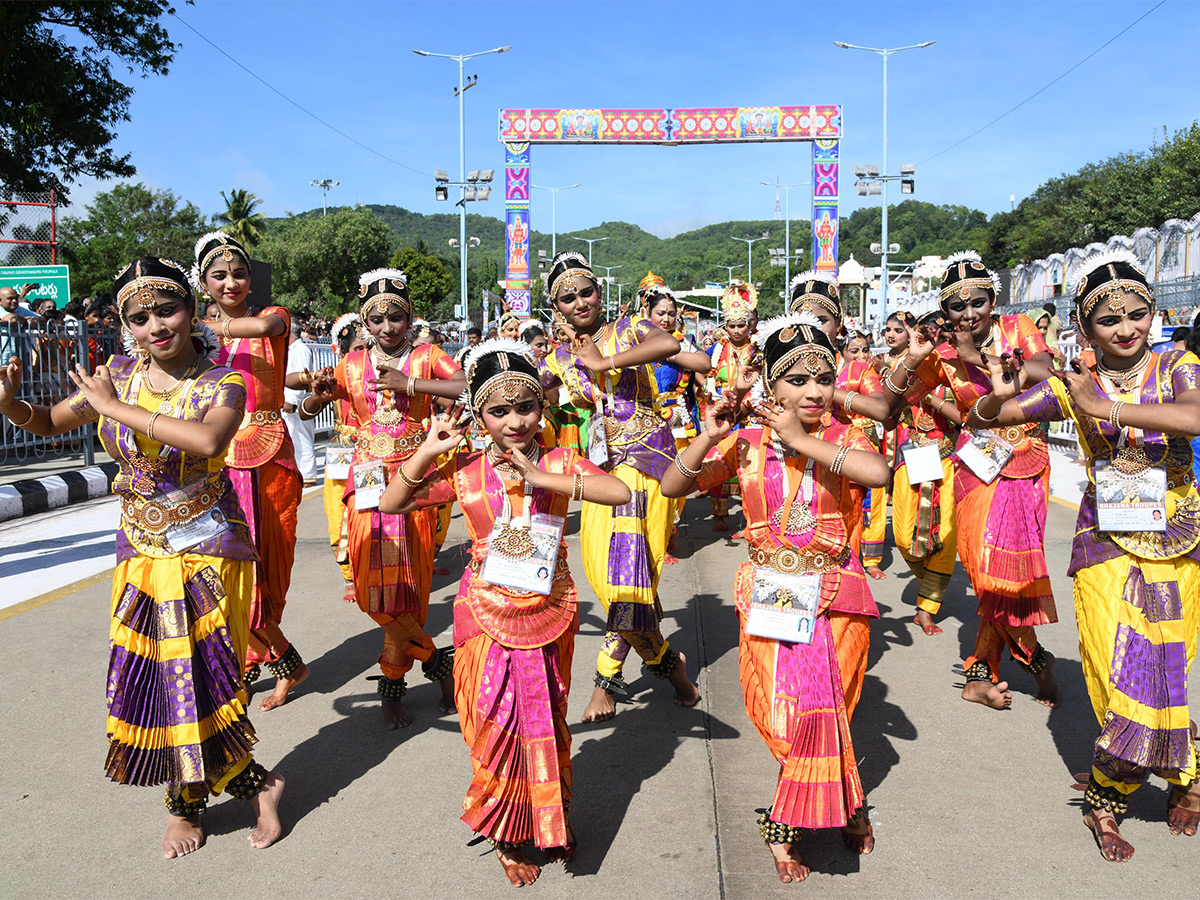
(802, 598)
(514, 623)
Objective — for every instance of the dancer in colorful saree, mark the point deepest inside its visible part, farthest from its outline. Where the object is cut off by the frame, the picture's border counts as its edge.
(516, 613)
(391, 386)
(923, 496)
(262, 464)
(858, 396)
(1001, 479)
(802, 598)
(1136, 554)
(608, 367)
(731, 356)
(674, 379)
(184, 580)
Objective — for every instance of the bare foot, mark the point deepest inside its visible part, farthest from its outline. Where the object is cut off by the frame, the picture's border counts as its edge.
(686, 693)
(857, 834)
(670, 559)
(601, 707)
(283, 687)
(520, 871)
(564, 854)
(996, 696)
(925, 620)
(395, 715)
(1048, 693)
(1103, 824)
(268, 829)
(738, 535)
(446, 704)
(877, 573)
(183, 836)
(719, 524)
(348, 594)
(789, 865)
(1183, 809)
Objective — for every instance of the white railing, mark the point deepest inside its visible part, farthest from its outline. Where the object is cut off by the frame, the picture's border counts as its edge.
(323, 357)
(1063, 434)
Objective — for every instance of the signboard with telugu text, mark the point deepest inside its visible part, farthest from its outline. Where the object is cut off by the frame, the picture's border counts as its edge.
(53, 282)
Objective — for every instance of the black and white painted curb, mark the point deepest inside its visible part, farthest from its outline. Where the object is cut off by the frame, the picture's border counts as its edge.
(35, 495)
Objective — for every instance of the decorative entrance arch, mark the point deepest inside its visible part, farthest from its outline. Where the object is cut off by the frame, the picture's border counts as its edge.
(520, 128)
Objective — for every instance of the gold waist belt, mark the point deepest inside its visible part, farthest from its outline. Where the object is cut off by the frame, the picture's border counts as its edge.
(796, 562)
(382, 446)
(158, 515)
(618, 430)
(261, 417)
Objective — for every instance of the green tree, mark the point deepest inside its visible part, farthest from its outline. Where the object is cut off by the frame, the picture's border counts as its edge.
(316, 260)
(129, 221)
(429, 282)
(59, 101)
(240, 219)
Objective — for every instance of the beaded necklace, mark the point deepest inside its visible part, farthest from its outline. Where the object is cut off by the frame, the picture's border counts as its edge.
(801, 519)
(385, 413)
(1130, 456)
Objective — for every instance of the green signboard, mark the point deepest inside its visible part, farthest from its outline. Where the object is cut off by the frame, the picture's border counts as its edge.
(52, 281)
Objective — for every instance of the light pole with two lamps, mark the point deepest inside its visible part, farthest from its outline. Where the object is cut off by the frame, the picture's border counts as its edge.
(749, 258)
(554, 213)
(590, 241)
(325, 184)
(462, 183)
(884, 52)
(608, 292)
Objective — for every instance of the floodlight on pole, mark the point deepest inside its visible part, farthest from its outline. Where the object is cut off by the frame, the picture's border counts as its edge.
(749, 259)
(325, 184)
(884, 52)
(554, 212)
(460, 93)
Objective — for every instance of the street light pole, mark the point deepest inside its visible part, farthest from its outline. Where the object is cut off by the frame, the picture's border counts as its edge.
(324, 184)
(885, 52)
(590, 241)
(462, 157)
(554, 213)
(749, 258)
(728, 272)
(608, 280)
(787, 226)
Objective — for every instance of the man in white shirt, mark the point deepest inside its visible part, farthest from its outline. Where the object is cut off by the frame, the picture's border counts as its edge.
(303, 431)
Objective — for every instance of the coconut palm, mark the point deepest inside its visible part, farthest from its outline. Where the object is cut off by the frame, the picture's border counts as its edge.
(240, 219)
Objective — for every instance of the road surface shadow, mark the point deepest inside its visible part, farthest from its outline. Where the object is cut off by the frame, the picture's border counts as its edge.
(610, 769)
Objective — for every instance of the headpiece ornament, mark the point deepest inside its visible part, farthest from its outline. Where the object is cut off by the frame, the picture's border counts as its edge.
(815, 288)
(784, 340)
(1108, 275)
(208, 248)
(965, 270)
(141, 278)
(341, 323)
(565, 267)
(738, 302)
(499, 365)
(379, 287)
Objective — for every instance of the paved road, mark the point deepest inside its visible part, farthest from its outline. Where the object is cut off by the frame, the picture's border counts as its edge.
(967, 801)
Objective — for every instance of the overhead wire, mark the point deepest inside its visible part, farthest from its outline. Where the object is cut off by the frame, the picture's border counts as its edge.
(298, 106)
(1044, 87)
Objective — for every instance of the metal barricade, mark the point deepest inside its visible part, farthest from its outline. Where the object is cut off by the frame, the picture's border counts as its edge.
(323, 357)
(47, 350)
(1063, 435)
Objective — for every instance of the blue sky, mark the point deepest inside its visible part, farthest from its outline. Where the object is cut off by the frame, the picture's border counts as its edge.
(208, 126)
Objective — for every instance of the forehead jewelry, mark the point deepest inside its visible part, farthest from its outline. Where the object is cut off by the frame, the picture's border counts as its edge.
(1116, 301)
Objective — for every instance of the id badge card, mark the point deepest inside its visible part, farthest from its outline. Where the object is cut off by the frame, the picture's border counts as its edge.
(784, 607)
(337, 462)
(598, 437)
(1126, 502)
(203, 528)
(924, 463)
(985, 454)
(533, 574)
(370, 480)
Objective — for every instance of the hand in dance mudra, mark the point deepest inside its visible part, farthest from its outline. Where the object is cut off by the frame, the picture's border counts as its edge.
(1082, 388)
(446, 431)
(98, 388)
(389, 379)
(10, 381)
(718, 421)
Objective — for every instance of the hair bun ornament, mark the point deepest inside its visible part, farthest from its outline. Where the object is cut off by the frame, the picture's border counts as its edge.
(530, 324)
(398, 278)
(499, 364)
(777, 324)
(214, 244)
(1109, 274)
(965, 270)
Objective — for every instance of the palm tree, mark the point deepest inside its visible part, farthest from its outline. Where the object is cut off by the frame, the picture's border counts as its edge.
(240, 219)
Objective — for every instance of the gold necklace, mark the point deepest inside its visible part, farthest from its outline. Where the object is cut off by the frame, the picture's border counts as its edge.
(514, 541)
(166, 397)
(385, 413)
(1125, 380)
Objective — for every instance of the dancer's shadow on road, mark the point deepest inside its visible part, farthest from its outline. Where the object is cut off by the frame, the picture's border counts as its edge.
(610, 769)
(340, 753)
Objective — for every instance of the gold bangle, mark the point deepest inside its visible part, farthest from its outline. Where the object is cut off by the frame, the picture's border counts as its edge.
(986, 420)
(306, 377)
(150, 425)
(28, 418)
(839, 459)
(577, 486)
(892, 384)
(404, 476)
(848, 403)
(225, 330)
(684, 470)
(410, 386)
(612, 363)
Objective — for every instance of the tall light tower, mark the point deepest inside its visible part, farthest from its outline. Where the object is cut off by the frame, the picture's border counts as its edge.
(554, 213)
(884, 52)
(459, 92)
(325, 184)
